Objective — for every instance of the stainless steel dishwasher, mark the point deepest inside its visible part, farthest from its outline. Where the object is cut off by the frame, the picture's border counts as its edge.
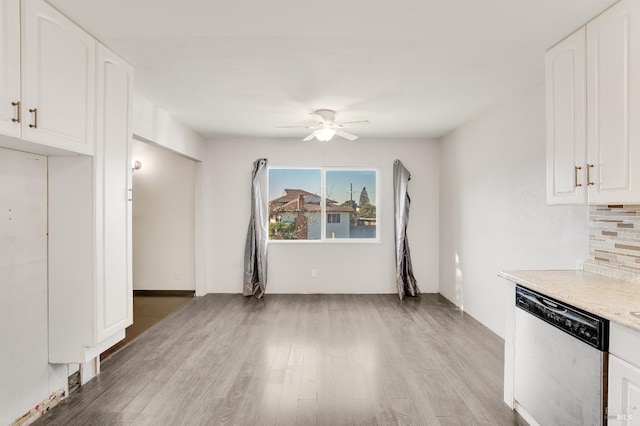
(560, 371)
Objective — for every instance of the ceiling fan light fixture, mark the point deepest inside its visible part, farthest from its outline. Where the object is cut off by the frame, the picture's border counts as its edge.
(324, 134)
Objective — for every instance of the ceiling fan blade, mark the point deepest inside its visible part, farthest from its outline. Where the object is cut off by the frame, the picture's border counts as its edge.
(355, 122)
(317, 117)
(346, 135)
(308, 138)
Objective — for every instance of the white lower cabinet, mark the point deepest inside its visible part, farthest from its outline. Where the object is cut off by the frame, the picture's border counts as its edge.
(90, 280)
(624, 393)
(624, 377)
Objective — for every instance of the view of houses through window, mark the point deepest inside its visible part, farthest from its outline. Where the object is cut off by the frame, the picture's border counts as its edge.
(322, 204)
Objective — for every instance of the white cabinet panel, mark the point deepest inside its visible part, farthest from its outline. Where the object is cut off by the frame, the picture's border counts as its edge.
(624, 343)
(613, 97)
(58, 80)
(610, 174)
(624, 376)
(113, 168)
(24, 372)
(90, 280)
(9, 67)
(565, 67)
(624, 393)
(71, 259)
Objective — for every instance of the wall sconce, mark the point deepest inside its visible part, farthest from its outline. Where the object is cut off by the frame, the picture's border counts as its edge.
(137, 165)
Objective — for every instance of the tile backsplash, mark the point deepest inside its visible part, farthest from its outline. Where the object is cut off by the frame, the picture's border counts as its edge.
(614, 235)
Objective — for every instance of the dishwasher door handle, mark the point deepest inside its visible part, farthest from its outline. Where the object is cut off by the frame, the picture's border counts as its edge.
(551, 305)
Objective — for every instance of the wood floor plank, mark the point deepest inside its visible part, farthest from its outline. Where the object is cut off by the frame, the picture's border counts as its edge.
(301, 359)
(306, 412)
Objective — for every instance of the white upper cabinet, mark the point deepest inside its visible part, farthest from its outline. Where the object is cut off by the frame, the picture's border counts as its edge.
(10, 67)
(58, 80)
(613, 104)
(113, 177)
(607, 169)
(565, 69)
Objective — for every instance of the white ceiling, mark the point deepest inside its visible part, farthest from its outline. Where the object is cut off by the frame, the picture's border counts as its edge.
(414, 68)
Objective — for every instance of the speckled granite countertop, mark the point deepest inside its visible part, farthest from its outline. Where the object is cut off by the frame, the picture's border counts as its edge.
(607, 297)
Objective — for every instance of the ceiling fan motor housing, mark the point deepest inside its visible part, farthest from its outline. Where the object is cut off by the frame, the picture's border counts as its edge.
(327, 115)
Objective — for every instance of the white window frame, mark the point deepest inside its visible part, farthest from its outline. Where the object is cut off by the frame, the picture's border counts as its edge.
(323, 196)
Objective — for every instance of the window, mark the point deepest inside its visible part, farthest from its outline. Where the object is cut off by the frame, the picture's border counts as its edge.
(294, 204)
(300, 198)
(333, 217)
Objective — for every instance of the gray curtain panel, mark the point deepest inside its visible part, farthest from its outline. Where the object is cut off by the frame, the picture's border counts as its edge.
(255, 251)
(405, 280)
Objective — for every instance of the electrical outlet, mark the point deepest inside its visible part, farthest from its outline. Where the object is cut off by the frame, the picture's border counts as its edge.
(178, 275)
(314, 273)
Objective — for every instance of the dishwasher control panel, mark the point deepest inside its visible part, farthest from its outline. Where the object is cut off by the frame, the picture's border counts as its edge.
(591, 329)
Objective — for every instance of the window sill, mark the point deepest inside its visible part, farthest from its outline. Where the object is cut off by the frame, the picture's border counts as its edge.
(368, 241)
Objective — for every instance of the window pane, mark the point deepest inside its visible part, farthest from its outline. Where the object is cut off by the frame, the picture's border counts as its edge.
(351, 195)
(294, 204)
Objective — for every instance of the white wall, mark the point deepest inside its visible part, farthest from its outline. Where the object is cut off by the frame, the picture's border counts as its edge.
(493, 213)
(154, 124)
(26, 377)
(341, 268)
(163, 220)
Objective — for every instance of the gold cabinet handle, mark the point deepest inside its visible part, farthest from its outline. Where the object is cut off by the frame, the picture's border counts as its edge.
(589, 166)
(35, 118)
(16, 104)
(575, 176)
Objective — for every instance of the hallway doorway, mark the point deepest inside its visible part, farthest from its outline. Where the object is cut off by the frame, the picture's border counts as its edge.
(163, 236)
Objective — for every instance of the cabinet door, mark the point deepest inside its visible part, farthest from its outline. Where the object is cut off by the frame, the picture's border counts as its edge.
(9, 67)
(613, 97)
(624, 393)
(565, 68)
(113, 176)
(58, 83)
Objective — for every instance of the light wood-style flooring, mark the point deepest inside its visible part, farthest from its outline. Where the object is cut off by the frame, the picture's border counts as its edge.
(301, 359)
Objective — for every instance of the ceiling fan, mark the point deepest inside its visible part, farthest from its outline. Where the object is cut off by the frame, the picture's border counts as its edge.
(326, 127)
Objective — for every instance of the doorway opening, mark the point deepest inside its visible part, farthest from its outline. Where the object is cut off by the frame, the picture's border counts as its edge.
(163, 236)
